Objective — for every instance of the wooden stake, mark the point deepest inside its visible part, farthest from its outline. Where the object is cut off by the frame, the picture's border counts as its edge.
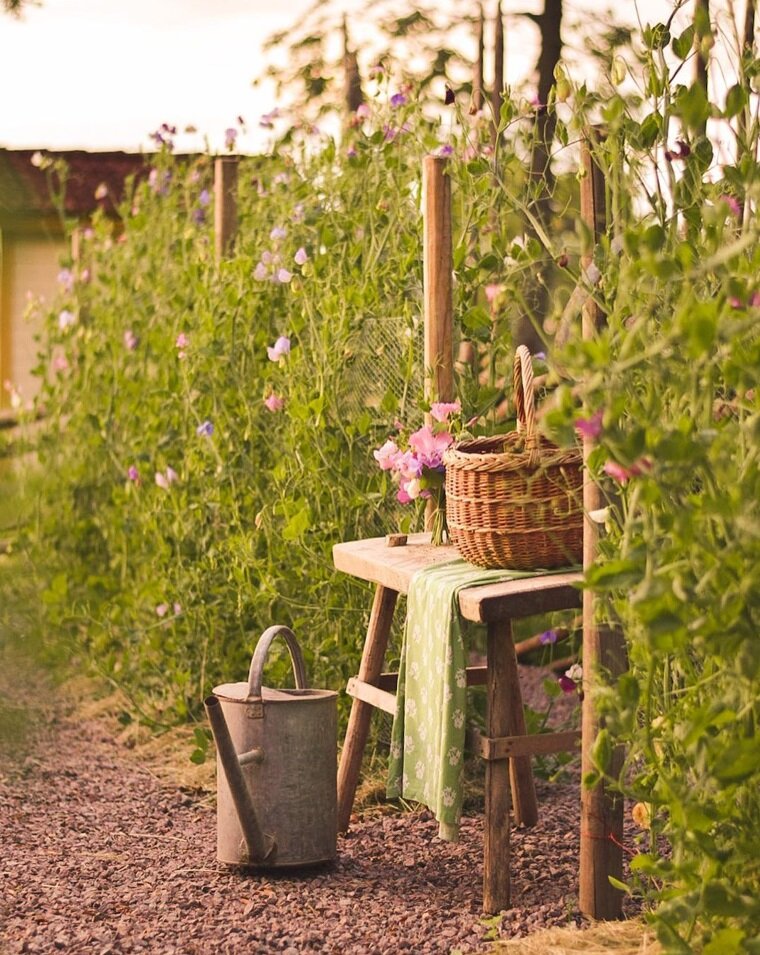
(225, 205)
(437, 270)
(498, 69)
(437, 267)
(603, 647)
(477, 78)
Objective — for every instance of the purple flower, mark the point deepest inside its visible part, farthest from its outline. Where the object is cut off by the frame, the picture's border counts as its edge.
(681, 150)
(66, 279)
(198, 215)
(567, 685)
(204, 198)
(446, 150)
(283, 276)
(590, 427)
(267, 120)
(230, 138)
(205, 430)
(541, 355)
(66, 319)
(280, 348)
(301, 258)
(298, 213)
(278, 233)
(449, 97)
(351, 153)
(733, 204)
(274, 403)
(130, 340)
(408, 465)
(133, 474)
(398, 99)
(260, 272)
(547, 637)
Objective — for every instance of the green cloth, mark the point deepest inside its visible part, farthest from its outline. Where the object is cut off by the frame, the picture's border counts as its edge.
(427, 742)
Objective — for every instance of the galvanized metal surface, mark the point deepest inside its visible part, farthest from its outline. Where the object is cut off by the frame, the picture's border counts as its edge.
(285, 752)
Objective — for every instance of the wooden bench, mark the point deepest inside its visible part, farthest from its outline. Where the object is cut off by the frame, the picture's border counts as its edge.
(505, 746)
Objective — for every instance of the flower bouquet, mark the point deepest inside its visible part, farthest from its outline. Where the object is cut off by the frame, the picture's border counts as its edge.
(416, 461)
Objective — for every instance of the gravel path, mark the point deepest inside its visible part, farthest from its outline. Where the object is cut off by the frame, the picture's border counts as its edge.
(100, 857)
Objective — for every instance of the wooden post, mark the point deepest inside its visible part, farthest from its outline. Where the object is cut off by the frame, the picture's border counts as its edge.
(225, 204)
(603, 648)
(437, 268)
(497, 89)
(370, 669)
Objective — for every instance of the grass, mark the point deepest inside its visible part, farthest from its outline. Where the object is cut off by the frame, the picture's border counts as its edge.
(602, 938)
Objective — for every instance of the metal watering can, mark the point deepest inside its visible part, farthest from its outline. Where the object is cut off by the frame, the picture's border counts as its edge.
(276, 767)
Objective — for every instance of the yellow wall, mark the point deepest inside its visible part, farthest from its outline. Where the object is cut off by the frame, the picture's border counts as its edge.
(28, 264)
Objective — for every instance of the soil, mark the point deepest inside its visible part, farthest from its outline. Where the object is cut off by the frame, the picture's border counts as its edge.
(101, 856)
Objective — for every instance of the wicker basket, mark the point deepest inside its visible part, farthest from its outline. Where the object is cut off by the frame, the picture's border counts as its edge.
(515, 500)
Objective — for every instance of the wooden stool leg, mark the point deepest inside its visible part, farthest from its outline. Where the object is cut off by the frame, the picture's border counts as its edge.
(370, 668)
(520, 769)
(496, 889)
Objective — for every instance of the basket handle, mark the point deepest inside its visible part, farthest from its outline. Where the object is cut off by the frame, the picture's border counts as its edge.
(260, 655)
(522, 382)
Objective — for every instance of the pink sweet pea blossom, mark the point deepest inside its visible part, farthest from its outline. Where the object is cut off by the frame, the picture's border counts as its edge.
(401, 495)
(408, 465)
(301, 258)
(278, 233)
(274, 403)
(429, 446)
(362, 111)
(733, 204)
(260, 272)
(162, 481)
(283, 276)
(492, 292)
(133, 474)
(171, 475)
(162, 610)
(230, 138)
(441, 410)
(60, 363)
(280, 348)
(130, 340)
(66, 279)
(590, 427)
(66, 319)
(622, 474)
(386, 455)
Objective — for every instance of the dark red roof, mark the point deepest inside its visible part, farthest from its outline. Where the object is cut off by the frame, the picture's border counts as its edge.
(25, 190)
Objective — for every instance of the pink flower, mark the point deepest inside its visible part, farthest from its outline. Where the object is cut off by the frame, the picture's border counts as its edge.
(733, 204)
(440, 410)
(66, 319)
(362, 111)
(162, 610)
(735, 302)
(590, 427)
(622, 474)
(274, 403)
(351, 153)
(260, 272)
(754, 300)
(280, 348)
(130, 340)
(493, 292)
(401, 495)
(429, 446)
(301, 258)
(386, 455)
(408, 465)
(177, 608)
(230, 138)
(278, 233)
(283, 276)
(60, 363)
(171, 475)
(181, 344)
(162, 481)
(446, 150)
(133, 474)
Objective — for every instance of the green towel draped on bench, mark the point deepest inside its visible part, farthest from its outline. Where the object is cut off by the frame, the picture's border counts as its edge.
(427, 742)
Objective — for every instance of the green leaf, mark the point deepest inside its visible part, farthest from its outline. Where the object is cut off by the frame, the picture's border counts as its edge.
(683, 44)
(736, 100)
(692, 106)
(617, 884)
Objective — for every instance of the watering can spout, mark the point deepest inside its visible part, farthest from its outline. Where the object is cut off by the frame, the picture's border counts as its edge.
(260, 846)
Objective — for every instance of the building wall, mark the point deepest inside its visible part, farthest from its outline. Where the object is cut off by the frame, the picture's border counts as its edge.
(29, 264)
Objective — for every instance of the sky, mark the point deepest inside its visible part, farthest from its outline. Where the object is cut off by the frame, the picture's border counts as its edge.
(103, 74)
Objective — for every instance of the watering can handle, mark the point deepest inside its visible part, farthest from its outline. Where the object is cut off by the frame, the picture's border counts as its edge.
(260, 655)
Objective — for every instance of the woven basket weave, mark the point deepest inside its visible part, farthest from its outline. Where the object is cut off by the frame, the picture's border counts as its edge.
(515, 500)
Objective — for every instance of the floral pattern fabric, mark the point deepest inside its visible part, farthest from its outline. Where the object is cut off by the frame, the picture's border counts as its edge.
(427, 741)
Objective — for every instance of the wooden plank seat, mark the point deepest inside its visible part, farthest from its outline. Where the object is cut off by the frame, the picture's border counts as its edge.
(505, 745)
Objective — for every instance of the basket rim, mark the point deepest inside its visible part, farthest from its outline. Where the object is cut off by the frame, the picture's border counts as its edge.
(465, 455)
